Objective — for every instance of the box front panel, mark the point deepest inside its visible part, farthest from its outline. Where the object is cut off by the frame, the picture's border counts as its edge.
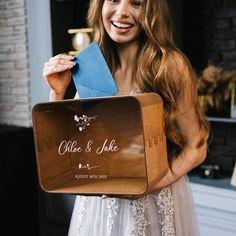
(91, 141)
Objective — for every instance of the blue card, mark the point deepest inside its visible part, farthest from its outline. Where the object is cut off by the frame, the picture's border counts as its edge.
(91, 74)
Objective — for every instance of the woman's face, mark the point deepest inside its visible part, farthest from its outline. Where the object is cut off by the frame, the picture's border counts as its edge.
(121, 19)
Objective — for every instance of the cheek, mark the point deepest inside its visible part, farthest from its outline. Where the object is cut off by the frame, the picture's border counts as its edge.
(138, 18)
(139, 22)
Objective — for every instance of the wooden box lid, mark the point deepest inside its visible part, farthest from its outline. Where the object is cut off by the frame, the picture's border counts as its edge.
(106, 145)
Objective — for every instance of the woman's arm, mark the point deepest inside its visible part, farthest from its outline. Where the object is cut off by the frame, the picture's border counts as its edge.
(192, 126)
(188, 159)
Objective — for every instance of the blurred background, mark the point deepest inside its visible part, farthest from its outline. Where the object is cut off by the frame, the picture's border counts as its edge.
(31, 31)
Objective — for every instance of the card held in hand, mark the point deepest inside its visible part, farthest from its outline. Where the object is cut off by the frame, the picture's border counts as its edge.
(91, 74)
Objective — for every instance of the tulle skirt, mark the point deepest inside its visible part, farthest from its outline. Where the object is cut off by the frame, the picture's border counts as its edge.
(168, 212)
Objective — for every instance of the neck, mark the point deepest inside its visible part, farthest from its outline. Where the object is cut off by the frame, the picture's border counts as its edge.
(128, 55)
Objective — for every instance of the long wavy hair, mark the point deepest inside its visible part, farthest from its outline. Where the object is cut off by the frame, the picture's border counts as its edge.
(161, 67)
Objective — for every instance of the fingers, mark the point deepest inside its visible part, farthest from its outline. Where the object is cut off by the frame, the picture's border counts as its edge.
(61, 57)
(51, 68)
(57, 64)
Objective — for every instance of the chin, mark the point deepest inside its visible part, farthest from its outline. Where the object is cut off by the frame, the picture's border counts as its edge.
(122, 40)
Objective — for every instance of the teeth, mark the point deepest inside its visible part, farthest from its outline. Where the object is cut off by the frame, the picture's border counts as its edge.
(121, 25)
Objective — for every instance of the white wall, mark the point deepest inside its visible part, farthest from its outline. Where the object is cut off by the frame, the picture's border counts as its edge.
(40, 47)
(216, 210)
(14, 69)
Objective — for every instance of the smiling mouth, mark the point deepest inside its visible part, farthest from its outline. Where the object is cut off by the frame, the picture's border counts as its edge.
(121, 25)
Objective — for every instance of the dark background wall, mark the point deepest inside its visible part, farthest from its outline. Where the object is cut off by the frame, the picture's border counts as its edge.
(209, 32)
(19, 186)
(66, 14)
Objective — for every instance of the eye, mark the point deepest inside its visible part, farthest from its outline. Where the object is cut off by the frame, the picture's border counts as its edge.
(136, 3)
(112, 1)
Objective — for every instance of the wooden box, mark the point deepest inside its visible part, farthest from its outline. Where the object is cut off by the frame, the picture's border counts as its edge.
(106, 145)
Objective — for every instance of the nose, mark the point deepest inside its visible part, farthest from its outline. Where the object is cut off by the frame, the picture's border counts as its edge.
(122, 9)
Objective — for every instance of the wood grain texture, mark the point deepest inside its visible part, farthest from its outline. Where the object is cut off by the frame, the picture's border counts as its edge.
(108, 145)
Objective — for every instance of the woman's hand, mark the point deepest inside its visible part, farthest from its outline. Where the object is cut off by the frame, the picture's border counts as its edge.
(57, 74)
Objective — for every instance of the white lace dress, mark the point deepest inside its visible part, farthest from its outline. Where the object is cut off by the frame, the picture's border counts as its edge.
(169, 212)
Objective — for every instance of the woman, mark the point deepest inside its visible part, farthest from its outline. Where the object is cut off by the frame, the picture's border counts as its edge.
(136, 39)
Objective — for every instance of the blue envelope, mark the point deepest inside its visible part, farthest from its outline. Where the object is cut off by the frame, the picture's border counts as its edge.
(91, 74)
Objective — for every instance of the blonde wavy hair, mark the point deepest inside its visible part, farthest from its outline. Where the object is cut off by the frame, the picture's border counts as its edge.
(161, 67)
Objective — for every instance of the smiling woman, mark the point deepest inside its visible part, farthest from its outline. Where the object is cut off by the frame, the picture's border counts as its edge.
(135, 38)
